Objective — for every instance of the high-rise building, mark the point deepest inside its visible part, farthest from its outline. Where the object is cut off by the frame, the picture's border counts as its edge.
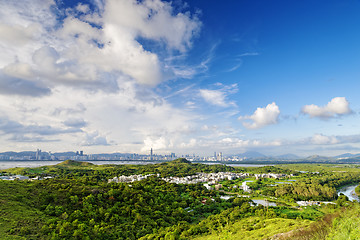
(38, 154)
(151, 154)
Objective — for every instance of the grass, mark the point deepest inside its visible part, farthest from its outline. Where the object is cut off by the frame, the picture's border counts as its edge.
(346, 226)
(332, 225)
(257, 228)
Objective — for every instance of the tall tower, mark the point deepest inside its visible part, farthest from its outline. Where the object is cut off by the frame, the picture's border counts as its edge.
(219, 156)
(38, 154)
(151, 154)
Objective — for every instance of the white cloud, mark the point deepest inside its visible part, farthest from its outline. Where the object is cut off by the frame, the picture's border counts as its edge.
(91, 74)
(219, 97)
(95, 121)
(336, 107)
(84, 8)
(153, 19)
(193, 143)
(262, 117)
(16, 35)
(94, 139)
(78, 53)
(215, 97)
(160, 144)
(322, 139)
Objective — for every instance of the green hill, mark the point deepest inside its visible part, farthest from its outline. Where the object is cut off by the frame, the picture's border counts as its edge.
(180, 160)
(73, 163)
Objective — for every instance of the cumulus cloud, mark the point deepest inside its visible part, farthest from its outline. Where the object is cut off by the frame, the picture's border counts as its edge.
(160, 143)
(338, 106)
(154, 19)
(95, 139)
(94, 49)
(192, 143)
(91, 72)
(322, 139)
(262, 117)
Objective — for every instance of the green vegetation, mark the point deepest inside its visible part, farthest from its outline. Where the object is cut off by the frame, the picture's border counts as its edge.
(256, 228)
(19, 212)
(347, 226)
(242, 220)
(79, 203)
(357, 190)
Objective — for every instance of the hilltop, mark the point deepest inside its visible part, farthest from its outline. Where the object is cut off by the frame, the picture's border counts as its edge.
(73, 163)
(179, 160)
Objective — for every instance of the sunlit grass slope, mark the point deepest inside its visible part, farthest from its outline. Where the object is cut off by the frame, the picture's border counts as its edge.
(257, 228)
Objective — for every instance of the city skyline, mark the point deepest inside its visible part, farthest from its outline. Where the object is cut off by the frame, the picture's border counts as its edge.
(196, 76)
(249, 156)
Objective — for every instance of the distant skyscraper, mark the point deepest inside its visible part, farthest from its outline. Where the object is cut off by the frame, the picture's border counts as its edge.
(151, 154)
(220, 157)
(38, 154)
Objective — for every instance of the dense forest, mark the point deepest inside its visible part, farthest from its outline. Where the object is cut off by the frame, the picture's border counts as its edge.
(77, 202)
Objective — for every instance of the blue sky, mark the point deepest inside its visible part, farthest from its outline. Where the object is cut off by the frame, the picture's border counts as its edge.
(186, 77)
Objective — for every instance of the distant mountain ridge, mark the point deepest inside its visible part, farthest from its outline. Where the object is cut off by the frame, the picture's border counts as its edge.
(258, 155)
(251, 154)
(288, 156)
(348, 155)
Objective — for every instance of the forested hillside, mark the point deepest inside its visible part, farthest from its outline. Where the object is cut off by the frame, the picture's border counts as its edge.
(79, 203)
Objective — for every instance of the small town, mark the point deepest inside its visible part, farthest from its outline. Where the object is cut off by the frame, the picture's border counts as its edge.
(209, 180)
